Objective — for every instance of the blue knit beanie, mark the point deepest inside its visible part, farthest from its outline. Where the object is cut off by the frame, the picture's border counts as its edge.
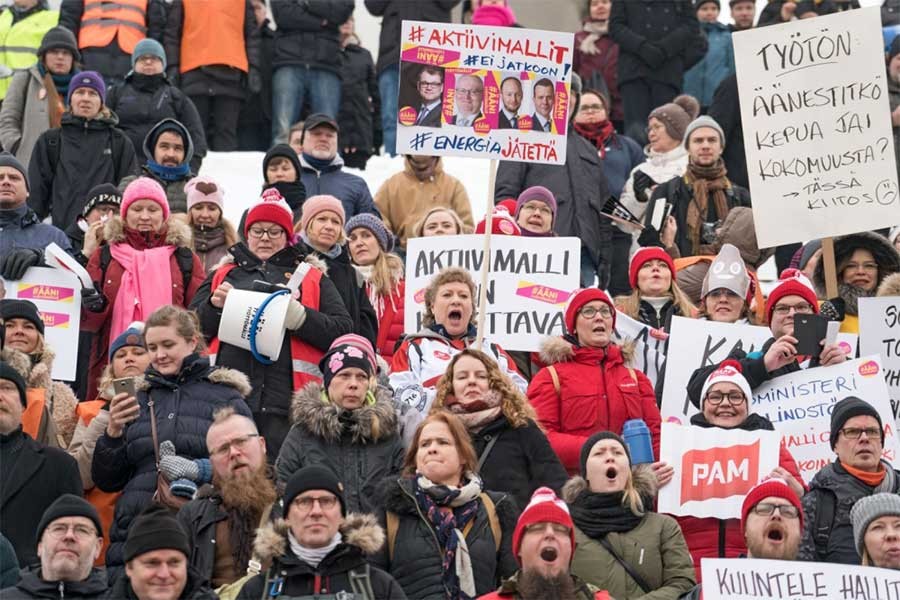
(148, 46)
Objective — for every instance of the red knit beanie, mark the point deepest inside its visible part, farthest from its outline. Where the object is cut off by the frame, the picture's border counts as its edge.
(271, 207)
(647, 254)
(791, 283)
(580, 299)
(544, 507)
(767, 489)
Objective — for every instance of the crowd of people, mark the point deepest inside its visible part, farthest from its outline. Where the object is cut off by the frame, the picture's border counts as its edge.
(356, 456)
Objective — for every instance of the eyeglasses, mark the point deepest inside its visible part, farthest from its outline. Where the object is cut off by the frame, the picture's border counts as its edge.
(788, 511)
(468, 93)
(591, 108)
(866, 266)
(734, 398)
(655, 127)
(239, 443)
(853, 433)
(541, 527)
(306, 502)
(81, 531)
(537, 207)
(430, 84)
(801, 309)
(589, 312)
(273, 233)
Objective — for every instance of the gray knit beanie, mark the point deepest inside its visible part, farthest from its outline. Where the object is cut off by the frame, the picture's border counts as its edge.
(703, 121)
(867, 510)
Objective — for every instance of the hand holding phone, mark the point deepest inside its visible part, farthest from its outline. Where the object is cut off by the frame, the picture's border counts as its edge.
(810, 330)
(123, 409)
(124, 385)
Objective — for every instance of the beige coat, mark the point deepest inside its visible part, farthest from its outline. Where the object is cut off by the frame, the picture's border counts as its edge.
(24, 115)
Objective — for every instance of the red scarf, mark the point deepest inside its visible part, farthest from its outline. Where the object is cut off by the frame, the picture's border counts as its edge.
(598, 134)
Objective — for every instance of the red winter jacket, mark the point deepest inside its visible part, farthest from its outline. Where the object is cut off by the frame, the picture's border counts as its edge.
(390, 320)
(598, 392)
(177, 234)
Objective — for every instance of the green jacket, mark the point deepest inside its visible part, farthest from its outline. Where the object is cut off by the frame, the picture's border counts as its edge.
(655, 549)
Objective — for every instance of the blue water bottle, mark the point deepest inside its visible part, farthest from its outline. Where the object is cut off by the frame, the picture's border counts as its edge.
(637, 438)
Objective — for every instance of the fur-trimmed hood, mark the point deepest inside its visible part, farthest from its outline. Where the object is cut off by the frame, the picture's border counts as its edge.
(642, 475)
(359, 530)
(884, 253)
(19, 361)
(37, 374)
(223, 375)
(558, 349)
(177, 234)
(322, 418)
(890, 286)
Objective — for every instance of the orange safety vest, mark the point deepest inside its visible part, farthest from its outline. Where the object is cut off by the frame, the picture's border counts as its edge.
(213, 34)
(304, 357)
(758, 303)
(106, 20)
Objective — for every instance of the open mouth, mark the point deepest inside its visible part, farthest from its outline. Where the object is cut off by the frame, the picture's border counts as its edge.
(549, 554)
(611, 473)
(775, 534)
(454, 315)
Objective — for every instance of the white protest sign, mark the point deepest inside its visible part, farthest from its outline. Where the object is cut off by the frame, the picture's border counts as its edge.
(693, 344)
(758, 579)
(57, 295)
(531, 279)
(714, 468)
(451, 100)
(799, 405)
(649, 345)
(879, 333)
(817, 127)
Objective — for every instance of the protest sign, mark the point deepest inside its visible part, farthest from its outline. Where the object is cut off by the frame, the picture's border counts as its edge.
(799, 405)
(57, 295)
(693, 344)
(649, 345)
(714, 468)
(879, 333)
(817, 127)
(758, 579)
(531, 280)
(488, 92)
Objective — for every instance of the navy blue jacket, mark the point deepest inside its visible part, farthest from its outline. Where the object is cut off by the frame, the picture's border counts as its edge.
(350, 189)
(21, 228)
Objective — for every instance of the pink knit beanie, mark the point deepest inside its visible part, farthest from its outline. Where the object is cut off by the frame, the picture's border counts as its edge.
(144, 188)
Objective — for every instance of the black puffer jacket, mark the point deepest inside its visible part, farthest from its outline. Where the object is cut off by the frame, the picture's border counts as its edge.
(416, 562)
(362, 446)
(580, 189)
(360, 114)
(307, 34)
(184, 407)
(67, 162)
(272, 384)
(658, 319)
(394, 12)
(31, 587)
(142, 101)
(332, 578)
(520, 461)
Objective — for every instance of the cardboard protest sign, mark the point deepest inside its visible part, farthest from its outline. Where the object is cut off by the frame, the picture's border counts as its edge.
(758, 579)
(487, 92)
(531, 280)
(57, 295)
(879, 333)
(714, 468)
(649, 345)
(799, 405)
(693, 344)
(817, 128)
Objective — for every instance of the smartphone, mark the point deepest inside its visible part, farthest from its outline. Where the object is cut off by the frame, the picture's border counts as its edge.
(660, 213)
(124, 385)
(810, 330)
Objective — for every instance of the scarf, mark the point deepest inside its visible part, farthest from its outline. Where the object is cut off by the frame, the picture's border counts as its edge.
(477, 413)
(146, 284)
(851, 295)
(169, 173)
(448, 510)
(293, 192)
(332, 252)
(439, 329)
(599, 514)
(705, 181)
(313, 556)
(208, 238)
(318, 164)
(599, 134)
(57, 87)
(595, 30)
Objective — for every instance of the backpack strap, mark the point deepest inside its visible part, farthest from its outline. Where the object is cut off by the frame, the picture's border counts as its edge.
(392, 525)
(632, 373)
(821, 533)
(53, 146)
(494, 522)
(555, 377)
(361, 582)
(184, 258)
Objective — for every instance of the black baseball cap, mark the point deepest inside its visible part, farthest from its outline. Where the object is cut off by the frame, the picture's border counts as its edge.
(317, 119)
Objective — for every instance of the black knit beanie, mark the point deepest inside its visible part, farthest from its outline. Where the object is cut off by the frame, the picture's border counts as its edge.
(155, 529)
(282, 151)
(600, 435)
(11, 308)
(846, 409)
(314, 477)
(69, 505)
(10, 374)
(10, 160)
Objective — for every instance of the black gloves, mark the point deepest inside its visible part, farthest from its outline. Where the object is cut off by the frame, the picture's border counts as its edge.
(92, 300)
(641, 182)
(649, 237)
(14, 264)
(652, 54)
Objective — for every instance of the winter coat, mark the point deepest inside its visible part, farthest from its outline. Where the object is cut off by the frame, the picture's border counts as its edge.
(893, 98)
(67, 162)
(726, 110)
(393, 12)
(32, 587)
(655, 549)
(657, 319)
(307, 34)
(403, 200)
(350, 189)
(272, 384)
(360, 114)
(623, 154)
(108, 282)
(416, 561)
(680, 195)
(22, 228)
(670, 25)
(361, 446)
(599, 71)
(520, 461)
(9, 565)
(194, 589)
(390, 324)
(509, 590)
(34, 476)
(184, 406)
(847, 490)
(703, 78)
(660, 167)
(362, 537)
(24, 114)
(211, 244)
(580, 188)
(44, 432)
(598, 392)
(142, 101)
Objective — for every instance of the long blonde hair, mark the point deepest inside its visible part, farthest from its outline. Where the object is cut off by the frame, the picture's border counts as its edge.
(387, 272)
(630, 304)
